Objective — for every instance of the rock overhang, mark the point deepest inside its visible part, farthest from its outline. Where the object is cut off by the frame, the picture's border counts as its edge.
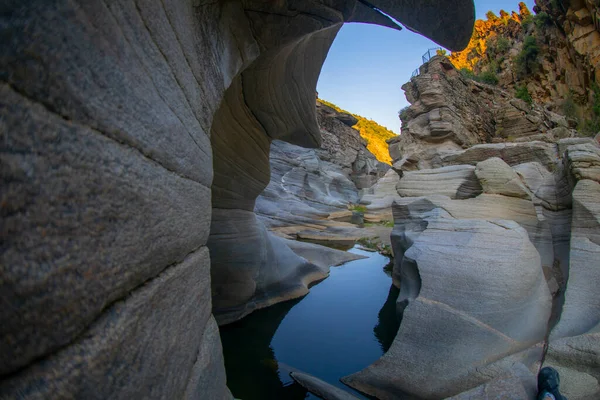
(279, 85)
(446, 22)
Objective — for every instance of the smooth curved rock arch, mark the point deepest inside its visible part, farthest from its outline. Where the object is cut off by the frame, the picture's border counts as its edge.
(107, 113)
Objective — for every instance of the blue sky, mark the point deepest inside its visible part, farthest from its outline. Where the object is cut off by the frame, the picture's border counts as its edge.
(368, 64)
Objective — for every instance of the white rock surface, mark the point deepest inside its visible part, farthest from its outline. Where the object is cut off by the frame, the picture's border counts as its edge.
(497, 177)
(476, 294)
(456, 182)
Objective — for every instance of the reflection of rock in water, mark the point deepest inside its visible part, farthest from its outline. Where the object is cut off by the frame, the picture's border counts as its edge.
(252, 370)
(388, 324)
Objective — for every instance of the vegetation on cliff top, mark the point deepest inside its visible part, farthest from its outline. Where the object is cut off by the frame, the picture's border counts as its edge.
(374, 134)
(517, 50)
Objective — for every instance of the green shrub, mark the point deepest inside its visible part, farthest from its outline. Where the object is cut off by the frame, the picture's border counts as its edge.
(502, 45)
(403, 113)
(488, 77)
(497, 47)
(596, 103)
(523, 94)
(494, 67)
(357, 208)
(542, 20)
(570, 108)
(526, 62)
(591, 126)
(467, 73)
(527, 22)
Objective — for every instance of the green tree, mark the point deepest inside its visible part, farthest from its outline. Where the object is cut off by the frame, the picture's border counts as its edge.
(526, 62)
(542, 20)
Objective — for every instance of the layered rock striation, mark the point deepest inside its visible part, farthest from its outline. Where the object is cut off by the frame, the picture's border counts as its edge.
(135, 141)
(495, 247)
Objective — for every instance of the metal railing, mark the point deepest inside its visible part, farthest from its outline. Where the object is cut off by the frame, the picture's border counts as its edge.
(434, 51)
(430, 53)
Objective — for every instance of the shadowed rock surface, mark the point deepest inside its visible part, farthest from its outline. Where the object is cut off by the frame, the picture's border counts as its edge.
(124, 124)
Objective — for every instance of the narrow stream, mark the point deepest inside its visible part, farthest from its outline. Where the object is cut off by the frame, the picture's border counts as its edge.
(344, 324)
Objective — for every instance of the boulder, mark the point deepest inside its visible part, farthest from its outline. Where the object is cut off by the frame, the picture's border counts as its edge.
(347, 119)
(357, 218)
(383, 193)
(552, 190)
(456, 182)
(583, 161)
(485, 207)
(497, 177)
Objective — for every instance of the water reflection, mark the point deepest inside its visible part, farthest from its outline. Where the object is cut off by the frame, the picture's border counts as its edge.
(339, 328)
(338, 244)
(388, 324)
(252, 369)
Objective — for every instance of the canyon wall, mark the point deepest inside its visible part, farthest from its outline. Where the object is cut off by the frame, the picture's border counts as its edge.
(554, 54)
(495, 246)
(135, 140)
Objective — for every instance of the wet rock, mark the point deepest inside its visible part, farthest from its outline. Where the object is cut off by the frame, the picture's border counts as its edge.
(321, 256)
(358, 218)
(322, 389)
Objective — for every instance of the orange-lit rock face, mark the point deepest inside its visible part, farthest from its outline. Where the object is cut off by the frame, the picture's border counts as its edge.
(567, 42)
(508, 25)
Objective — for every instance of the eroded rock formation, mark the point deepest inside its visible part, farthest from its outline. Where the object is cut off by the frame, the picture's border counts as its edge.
(121, 121)
(495, 245)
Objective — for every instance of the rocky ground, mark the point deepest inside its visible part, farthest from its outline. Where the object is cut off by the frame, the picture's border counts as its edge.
(313, 193)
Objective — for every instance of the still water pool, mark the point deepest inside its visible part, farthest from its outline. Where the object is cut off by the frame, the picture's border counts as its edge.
(344, 324)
